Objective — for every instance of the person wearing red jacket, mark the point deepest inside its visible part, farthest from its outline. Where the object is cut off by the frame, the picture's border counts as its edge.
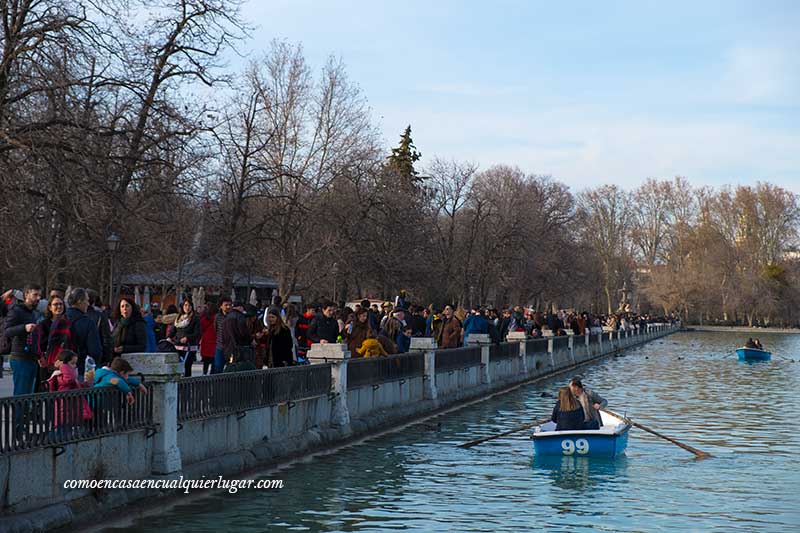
(208, 337)
(301, 332)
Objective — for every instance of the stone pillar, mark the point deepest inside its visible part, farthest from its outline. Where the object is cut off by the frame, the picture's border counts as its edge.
(550, 353)
(162, 370)
(483, 340)
(428, 347)
(520, 337)
(338, 355)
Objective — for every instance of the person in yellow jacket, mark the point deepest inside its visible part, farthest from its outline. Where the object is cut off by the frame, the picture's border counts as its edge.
(371, 348)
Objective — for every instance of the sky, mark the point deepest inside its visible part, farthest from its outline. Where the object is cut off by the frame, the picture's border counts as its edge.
(587, 92)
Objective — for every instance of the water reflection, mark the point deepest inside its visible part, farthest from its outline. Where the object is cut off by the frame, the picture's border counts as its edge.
(581, 473)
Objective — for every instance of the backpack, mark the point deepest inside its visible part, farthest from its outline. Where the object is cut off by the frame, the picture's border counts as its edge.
(36, 342)
(65, 338)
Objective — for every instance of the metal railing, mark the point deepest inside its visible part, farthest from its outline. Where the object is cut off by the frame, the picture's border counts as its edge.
(535, 346)
(456, 358)
(560, 343)
(375, 370)
(505, 350)
(51, 419)
(209, 396)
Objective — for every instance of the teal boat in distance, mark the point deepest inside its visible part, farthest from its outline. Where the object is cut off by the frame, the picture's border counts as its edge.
(753, 354)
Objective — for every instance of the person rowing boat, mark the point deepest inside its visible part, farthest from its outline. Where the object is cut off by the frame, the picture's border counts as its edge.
(590, 401)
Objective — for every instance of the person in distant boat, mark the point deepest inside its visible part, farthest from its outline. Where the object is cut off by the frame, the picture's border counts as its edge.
(750, 343)
(758, 344)
(590, 401)
(567, 413)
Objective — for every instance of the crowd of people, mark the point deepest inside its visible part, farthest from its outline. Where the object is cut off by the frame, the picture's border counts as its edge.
(58, 343)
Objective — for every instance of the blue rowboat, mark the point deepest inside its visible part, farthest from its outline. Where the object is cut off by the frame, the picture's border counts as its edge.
(753, 354)
(609, 441)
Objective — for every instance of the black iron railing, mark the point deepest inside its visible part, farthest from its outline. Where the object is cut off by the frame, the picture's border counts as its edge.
(54, 418)
(505, 350)
(560, 343)
(208, 396)
(535, 346)
(456, 358)
(375, 370)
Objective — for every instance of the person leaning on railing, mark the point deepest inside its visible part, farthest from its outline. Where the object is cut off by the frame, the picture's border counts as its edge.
(117, 374)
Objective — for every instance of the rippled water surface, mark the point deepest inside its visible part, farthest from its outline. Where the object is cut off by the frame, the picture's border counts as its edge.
(746, 414)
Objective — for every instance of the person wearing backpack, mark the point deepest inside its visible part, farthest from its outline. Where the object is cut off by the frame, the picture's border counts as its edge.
(85, 335)
(20, 322)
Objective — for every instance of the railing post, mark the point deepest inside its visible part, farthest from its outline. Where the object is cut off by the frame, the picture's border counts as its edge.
(338, 355)
(162, 370)
(482, 340)
(520, 337)
(428, 348)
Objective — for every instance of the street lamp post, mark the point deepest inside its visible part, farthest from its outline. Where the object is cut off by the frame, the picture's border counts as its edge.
(112, 242)
(334, 271)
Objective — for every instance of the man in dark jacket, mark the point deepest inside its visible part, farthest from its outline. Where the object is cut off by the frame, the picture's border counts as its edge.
(418, 323)
(504, 323)
(324, 328)
(21, 321)
(225, 305)
(236, 339)
(100, 319)
(85, 335)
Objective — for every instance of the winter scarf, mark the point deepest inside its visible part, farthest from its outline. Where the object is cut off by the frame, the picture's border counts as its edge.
(121, 331)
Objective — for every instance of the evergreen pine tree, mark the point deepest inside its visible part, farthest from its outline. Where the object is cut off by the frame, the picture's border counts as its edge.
(404, 156)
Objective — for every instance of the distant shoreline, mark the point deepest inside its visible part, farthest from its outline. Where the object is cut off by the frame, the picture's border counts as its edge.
(740, 329)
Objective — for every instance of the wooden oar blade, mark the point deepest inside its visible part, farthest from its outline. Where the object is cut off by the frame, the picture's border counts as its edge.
(475, 442)
(699, 453)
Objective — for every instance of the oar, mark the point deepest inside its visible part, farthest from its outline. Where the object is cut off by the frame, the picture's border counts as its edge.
(785, 358)
(475, 442)
(699, 453)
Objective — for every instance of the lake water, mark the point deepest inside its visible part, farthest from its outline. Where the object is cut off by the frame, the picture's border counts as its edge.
(417, 479)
